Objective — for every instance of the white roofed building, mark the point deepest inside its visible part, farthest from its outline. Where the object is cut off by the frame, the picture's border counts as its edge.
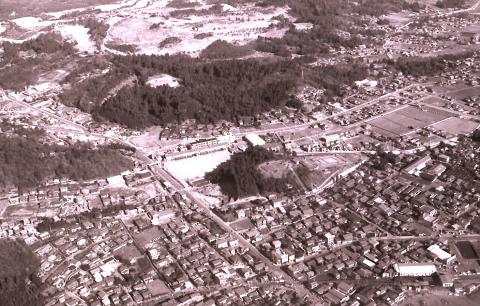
(254, 140)
(439, 253)
(415, 269)
(116, 181)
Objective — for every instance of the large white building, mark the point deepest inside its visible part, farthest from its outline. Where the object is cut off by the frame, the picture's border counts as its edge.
(415, 269)
(254, 140)
(439, 252)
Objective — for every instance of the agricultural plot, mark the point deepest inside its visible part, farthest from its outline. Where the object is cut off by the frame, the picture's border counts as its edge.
(407, 119)
(456, 126)
(465, 93)
(390, 126)
(435, 101)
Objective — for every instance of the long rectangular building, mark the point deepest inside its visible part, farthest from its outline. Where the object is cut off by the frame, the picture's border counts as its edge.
(415, 269)
(419, 164)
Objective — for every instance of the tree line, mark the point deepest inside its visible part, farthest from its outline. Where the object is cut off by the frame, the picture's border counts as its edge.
(427, 66)
(450, 3)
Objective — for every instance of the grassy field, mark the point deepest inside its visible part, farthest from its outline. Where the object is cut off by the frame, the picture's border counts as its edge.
(24, 8)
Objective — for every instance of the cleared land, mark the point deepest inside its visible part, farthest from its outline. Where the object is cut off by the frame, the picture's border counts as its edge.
(275, 168)
(313, 171)
(191, 30)
(407, 119)
(194, 167)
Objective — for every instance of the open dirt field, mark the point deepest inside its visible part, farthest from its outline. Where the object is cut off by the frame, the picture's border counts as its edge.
(275, 169)
(197, 166)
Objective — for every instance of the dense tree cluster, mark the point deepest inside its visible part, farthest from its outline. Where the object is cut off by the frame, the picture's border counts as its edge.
(97, 29)
(427, 66)
(44, 43)
(221, 49)
(125, 48)
(181, 4)
(450, 3)
(336, 23)
(203, 35)
(173, 40)
(19, 71)
(26, 162)
(210, 90)
(87, 94)
(180, 13)
(334, 78)
(16, 77)
(18, 285)
(272, 45)
(239, 177)
(476, 135)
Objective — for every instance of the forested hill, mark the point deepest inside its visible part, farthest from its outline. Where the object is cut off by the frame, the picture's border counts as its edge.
(210, 90)
(17, 267)
(26, 162)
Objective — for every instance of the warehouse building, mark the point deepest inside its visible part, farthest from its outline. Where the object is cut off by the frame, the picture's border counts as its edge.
(415, 269)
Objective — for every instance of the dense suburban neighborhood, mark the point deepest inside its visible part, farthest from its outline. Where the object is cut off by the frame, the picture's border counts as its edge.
(364, 192)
